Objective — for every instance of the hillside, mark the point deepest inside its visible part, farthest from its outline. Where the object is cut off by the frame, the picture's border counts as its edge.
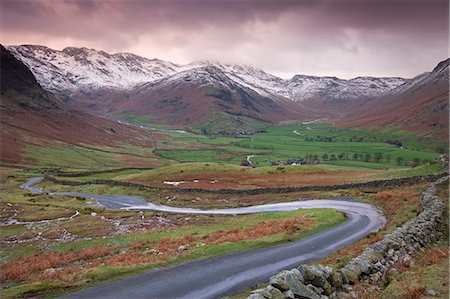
(419, 105)
(191, 97)
(234, 96)
(31, 116)
(187, 95)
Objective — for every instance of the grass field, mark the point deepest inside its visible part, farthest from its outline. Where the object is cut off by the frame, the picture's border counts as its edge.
(319, 141)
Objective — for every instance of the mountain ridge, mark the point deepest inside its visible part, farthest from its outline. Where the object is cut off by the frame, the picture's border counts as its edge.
(139, 70)
(190, 95)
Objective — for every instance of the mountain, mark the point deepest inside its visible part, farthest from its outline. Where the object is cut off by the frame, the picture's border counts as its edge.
(32, 116)
(302, 87)
(105, 84)
(192, 96)
(63, 72)
(205, 92)
(71, 69)
(419, 105)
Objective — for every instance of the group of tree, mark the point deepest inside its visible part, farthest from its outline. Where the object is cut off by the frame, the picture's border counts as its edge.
(365, 157)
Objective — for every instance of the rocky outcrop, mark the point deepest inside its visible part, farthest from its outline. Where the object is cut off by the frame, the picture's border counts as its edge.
(413, 180)
(372, 266)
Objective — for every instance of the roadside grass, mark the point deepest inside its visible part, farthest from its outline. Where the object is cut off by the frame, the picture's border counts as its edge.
(429, 271)
(219, 223)
(88, 262)
(398, 205)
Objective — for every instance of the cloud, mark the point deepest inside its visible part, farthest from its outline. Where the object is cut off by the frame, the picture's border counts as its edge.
(345, 38)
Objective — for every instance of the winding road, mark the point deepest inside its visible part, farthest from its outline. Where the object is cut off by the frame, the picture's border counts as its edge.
(225, 275)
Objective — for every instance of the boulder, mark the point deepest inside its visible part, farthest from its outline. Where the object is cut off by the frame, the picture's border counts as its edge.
(279, 280)
(275, 293)
(336, 279)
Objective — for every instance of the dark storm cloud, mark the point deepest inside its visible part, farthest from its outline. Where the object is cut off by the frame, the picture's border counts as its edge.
(335, 37)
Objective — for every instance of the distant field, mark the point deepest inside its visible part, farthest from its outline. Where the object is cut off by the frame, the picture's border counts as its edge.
(318, 141)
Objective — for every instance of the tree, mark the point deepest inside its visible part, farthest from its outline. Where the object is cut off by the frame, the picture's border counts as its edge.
(332, 157)
(378, 157)
(399, 160)
(367, 157)
(341, 156)
(325, 157)
(355, 156)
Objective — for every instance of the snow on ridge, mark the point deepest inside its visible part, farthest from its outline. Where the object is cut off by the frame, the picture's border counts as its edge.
(88, 69)
(84, 68)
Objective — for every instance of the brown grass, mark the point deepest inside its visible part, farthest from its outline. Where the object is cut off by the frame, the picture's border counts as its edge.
(410, 292)
(261, 229)
(351, 251)
(436, 256)
(169, 246)
(70, 265)
(363, 293)
(245, 180)
(22, 267)
(392, 201)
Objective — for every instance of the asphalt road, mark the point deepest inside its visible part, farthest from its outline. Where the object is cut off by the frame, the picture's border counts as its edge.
(225, 275)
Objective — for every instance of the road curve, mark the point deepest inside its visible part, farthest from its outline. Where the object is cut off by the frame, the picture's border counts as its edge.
(216, 277)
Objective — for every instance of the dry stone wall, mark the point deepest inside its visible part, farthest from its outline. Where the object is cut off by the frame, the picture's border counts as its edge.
(413, 180)
(373, 265)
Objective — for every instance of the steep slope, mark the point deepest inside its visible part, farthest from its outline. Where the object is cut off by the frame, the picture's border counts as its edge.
(419, 105)
(72, 69)
(32, 116)
(106, 83)
(192, 96)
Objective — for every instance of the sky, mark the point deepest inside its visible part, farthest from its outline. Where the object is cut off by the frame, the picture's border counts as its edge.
(342, 38)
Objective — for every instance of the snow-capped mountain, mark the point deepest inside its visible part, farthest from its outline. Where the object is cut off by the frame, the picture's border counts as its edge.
(302, 87)
(72, 69)
(81, 68)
